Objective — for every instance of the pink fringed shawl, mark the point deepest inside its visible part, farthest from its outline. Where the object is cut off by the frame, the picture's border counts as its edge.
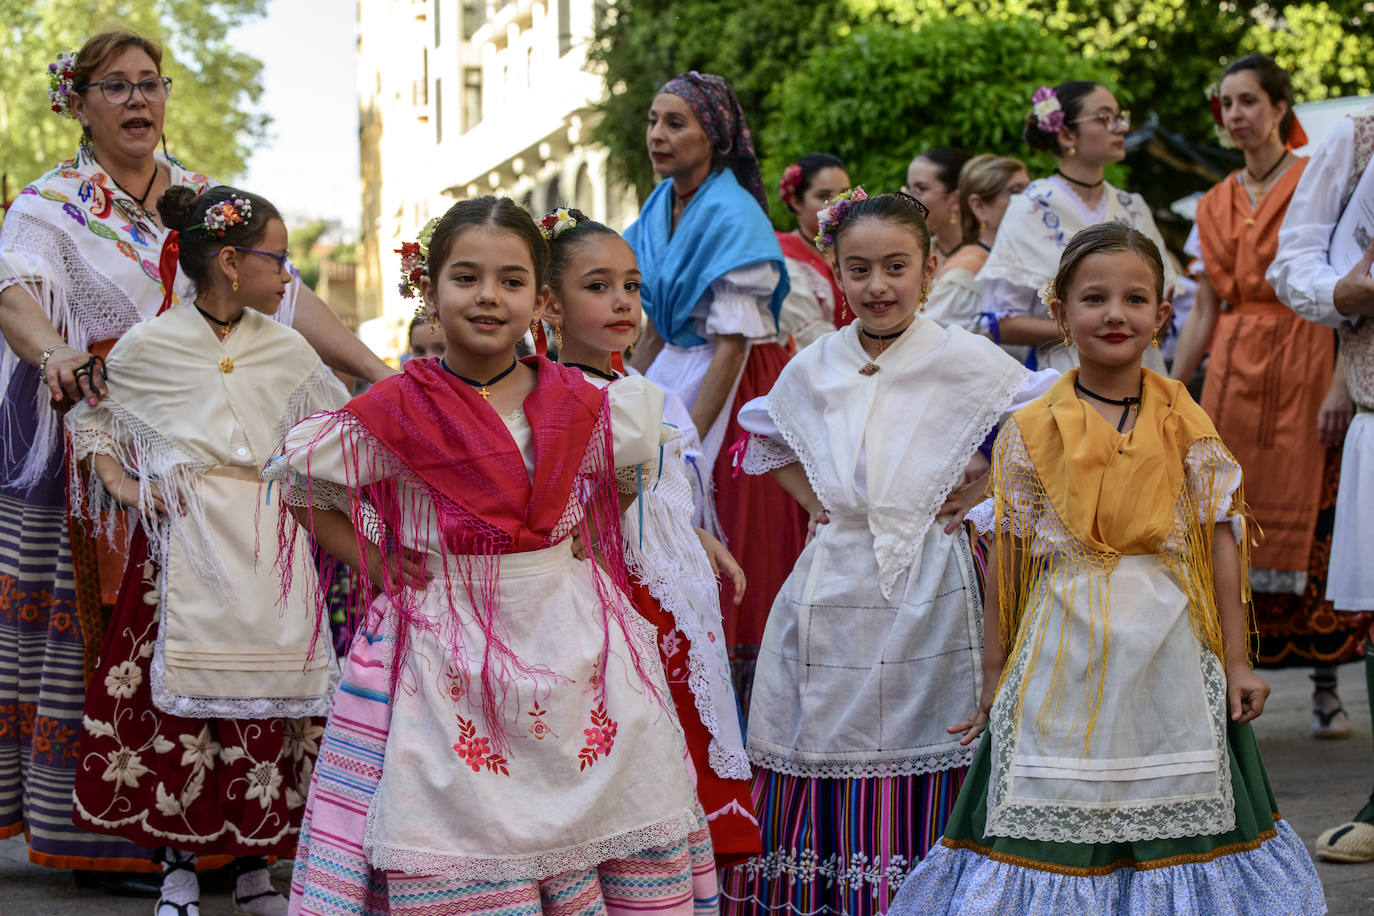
(423, 447)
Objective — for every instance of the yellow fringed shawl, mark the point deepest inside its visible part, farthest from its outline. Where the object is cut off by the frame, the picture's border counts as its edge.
(1116, 495)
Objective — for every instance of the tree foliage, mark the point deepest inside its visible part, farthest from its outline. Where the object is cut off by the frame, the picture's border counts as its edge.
(209, 126)
(885, 94)
(641, 44)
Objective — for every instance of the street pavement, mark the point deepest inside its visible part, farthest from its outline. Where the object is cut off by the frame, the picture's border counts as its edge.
(1318, 784)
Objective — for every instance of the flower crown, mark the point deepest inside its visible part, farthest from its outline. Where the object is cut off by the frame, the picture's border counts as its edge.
(415, 260)
(61, 83)
(225, 214)
(556, 222)
(1049, 114)
(791, 180)
(834, 214)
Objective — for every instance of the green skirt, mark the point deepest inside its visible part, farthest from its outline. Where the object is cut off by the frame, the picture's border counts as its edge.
(1261, 866)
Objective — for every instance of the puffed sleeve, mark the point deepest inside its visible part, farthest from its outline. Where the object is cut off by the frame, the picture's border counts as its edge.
(313, 467)
(737, 303)
(767, 449)
(955, 302)
(1215, 476)
(1301, 272)
(637, 429)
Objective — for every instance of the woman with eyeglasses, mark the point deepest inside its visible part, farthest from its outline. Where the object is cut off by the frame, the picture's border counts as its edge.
(1273, 388)
(987, 184)
(79, 266)
(1083, 127)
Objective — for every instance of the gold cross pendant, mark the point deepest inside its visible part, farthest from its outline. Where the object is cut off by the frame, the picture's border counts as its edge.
(485, 393)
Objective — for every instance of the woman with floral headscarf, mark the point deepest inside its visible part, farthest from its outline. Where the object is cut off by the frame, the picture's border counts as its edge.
(714, 282)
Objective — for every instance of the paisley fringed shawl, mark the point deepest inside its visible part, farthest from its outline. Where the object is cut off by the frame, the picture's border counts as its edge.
(1156, 490)
(430, 466)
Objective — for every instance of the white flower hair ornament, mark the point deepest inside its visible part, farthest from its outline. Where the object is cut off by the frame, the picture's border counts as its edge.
(1049, 114)
(1048, 295)
(61, 83)
(556, 222)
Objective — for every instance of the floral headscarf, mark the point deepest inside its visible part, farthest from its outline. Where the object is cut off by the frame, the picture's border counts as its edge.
(713, 102)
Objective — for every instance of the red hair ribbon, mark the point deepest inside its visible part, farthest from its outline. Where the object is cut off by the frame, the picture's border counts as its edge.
(167, 267)
(1297, 137)
(541, 343)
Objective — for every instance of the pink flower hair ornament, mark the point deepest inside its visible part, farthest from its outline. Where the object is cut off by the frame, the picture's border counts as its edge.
(790, 182)
(1049, 114)
(61, 83)
(834, 214)
(225, 214)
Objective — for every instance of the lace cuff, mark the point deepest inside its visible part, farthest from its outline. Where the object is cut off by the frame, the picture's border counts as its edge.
(87, 442)
(630, 480)
(763, 455)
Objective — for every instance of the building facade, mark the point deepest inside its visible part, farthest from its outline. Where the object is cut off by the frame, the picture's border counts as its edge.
(459, 98)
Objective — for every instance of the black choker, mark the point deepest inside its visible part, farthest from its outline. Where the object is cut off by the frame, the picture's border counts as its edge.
(1128, 404)
(482, 387)
(225, 326)
(1081, 184)
(592, 370)
(1273, 168)
(865, 332)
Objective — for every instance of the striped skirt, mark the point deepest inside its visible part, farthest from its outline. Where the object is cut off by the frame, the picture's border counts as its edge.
(333, 876)
(46, 643)
(838, 846)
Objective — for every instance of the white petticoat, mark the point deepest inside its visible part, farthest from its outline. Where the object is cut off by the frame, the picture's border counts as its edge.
(1350, 583)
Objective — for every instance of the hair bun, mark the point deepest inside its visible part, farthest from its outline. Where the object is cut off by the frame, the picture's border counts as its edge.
(175, 205)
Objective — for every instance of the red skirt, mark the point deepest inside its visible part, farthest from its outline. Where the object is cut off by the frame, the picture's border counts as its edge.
(728, 803)
(210, 786)
(765, 528)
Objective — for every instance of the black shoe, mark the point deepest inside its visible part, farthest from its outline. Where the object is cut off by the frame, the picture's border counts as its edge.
(121, 883)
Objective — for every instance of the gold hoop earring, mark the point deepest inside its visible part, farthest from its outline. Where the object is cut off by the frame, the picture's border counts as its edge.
(236, 282)
(558, 332)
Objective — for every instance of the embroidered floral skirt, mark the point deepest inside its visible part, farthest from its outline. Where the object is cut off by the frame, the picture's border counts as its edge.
(1259, 867)
(727, 802)
(838, 846)
(334, 874)
(210, 786)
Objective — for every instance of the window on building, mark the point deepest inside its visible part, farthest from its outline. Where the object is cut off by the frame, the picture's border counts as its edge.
(472, 97)
(529, 67)
(438, 110)
(474, 16)
(437, 33)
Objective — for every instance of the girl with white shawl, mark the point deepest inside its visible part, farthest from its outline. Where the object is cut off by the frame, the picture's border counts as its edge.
(875, 635)
(1083, 127)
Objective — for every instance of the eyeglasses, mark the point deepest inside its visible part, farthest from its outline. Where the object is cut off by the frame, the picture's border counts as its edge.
(1108, 120)
(119, 91)
(283, 260)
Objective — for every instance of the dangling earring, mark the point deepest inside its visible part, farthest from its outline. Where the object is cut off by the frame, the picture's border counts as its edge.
(87, 148)
(236, 282)
(844, 309)
(1068, 341)
(982, 226)
(954, 217)
(434, 322)
(1073, 151)
(925, 294)
(534, 328)
(1154, 339)
(558, 332)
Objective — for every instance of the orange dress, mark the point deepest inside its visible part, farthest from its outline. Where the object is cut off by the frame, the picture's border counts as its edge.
(1268, 374)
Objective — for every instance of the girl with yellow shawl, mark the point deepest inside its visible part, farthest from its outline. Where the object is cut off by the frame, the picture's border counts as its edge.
(1110, 779)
